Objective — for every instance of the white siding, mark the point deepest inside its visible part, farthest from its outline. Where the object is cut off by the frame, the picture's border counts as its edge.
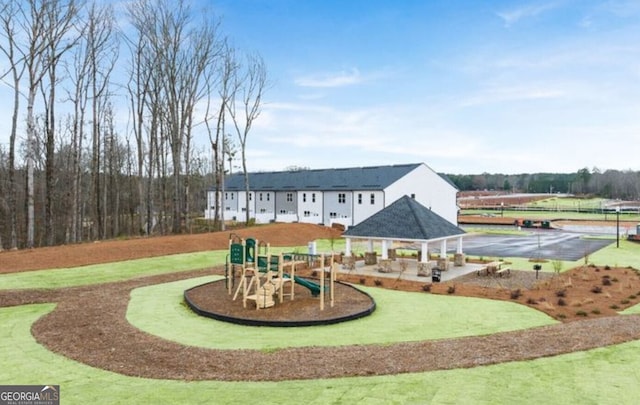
(429, 189)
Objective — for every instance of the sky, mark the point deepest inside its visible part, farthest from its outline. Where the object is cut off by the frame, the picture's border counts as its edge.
(466, 87)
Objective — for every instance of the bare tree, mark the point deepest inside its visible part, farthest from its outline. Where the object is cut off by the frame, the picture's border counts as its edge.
(218, 142)
(249, 84)
(8, 14)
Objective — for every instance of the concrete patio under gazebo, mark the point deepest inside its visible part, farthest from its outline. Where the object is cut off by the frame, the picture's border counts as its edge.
(407, 223)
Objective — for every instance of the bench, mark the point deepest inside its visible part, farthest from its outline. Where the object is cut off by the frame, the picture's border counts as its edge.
(502, 271)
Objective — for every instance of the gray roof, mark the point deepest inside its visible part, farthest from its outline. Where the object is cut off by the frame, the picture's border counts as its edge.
(405, 219)
(356, 178)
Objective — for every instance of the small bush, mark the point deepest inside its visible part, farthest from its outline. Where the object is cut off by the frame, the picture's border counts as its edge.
(632, 297)
(561, 302)
(532, 301)
(515, 294)
(606, 281)
(314, 274)
(561, 293)
(607, 267)
(615, 280)
(595, 311)
(614, 306)
(363, 281)
(377, 282)
(581, 313)
(426, 288)
(561, 316)
(596, 289)
(625, 302)
(451, 289)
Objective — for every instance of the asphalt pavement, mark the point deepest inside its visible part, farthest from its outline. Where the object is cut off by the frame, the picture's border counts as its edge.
(547, 244)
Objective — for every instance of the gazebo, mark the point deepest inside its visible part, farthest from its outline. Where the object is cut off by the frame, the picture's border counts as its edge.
(407, 221)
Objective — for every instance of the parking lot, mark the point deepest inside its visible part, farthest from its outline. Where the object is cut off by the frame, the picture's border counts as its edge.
(543, 244)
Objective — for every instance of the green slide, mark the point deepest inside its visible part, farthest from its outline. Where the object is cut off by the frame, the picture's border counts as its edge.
(313, 287)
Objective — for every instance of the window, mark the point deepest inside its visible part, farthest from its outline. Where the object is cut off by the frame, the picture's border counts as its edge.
(342, 198)
(260, 197)
(226, 196)
(268, 196)
(373, 198)
(289, 197)
(250, 196)
(313, 197)
(283, 211)
(307, 213)
(232, 196)
(333, 215)
(304, 197)
(413, 195)
(263, 210)
(359, 198)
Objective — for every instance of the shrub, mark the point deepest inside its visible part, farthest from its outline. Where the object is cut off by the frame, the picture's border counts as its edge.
(581, 313)
(515, 294)
(624, 302)
(377, 282)
(532, 301)
(632, 297)
(606, 281)
(561, 316)
(607, 267)
(451, 289)
(596, 289)
(426, 288)
(561, 293)
(614, 306)
(595, 311)
(314, 274)
(561, 302)
(363, 280)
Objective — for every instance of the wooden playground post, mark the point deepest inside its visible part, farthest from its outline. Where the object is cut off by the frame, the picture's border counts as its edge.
(332, 279)
(322, 282)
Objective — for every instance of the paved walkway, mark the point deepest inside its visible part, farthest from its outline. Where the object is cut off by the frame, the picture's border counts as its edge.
(411, 273)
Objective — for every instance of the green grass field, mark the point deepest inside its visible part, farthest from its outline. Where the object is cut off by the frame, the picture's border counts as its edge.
(600, 376)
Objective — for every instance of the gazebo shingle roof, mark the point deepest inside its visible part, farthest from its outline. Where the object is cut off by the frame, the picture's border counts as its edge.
(405, 219)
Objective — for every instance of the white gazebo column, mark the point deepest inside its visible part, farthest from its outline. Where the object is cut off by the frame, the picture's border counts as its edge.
(385, 249)
(424, 252)
(424, 267)
(459, 259)
(349, 261)
(443, 261)
(370, 255)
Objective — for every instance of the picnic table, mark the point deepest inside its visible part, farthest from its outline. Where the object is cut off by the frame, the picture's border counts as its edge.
(494, 269)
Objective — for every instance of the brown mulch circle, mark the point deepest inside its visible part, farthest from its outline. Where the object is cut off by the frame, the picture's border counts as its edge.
(213, 300)
(89, 324)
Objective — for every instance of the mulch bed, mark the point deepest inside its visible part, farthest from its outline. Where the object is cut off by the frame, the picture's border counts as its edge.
(89, 325)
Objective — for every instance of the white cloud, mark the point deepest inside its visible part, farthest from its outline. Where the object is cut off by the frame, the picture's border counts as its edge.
(337, 79)
(513, 16)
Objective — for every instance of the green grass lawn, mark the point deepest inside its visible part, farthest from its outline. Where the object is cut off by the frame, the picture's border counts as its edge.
(602, 376)
(399, 316)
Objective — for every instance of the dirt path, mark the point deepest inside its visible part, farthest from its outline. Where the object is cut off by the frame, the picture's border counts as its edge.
(89, 325)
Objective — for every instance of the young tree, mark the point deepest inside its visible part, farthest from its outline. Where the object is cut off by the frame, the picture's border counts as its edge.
(249, 84)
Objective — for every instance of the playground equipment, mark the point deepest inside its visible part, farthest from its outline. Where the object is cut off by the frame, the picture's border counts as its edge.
(263, 275)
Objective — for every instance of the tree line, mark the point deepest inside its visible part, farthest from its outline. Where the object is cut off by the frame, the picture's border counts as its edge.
(614, 184)
(104, 113)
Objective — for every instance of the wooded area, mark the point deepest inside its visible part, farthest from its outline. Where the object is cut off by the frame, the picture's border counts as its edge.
(103, 118)
(613, 184)
(104, 109)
